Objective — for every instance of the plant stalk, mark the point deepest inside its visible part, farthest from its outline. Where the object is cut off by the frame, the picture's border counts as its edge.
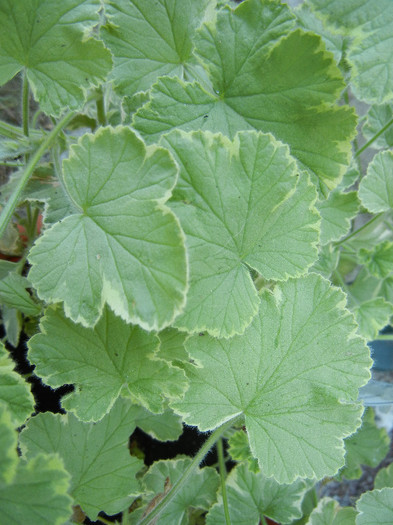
(12, 202)
(374, 138)
(223, 475)
(359, 229)
(100, 106)
(25, 105)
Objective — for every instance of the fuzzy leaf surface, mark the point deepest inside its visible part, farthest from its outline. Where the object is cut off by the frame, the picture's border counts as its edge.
(48, 40)
(104, 362)
(296, 384)
(329, 512)
(384, 477)
(96, 455)
(164, 427)
(13, 293)
(377, 118)
(241, 204)
(8, 447)
(239, 450)
(124, 247)
(372, 316)
(336, 214)
(375, 507)
(376, 188)
(379, 260)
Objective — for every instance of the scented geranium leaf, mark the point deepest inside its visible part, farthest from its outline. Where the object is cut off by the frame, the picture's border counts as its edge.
(378, 118)
(368, 446)
(329, 512)
(103, 362)
(164, 427)
(241, 204)
(124, 247)
(376, 188)
(8, 447)
(95, 454)
(239, 450)
(148, 43)
(14, 391)
(327, 262)
(288, 89)
(375, 507)
(296, 385)
(372, 316)
(252, 496)
(13, 293)
(199, 492)
(172, 345)
(337, 211)
(48, 40)
(379, 260)
(384, 477)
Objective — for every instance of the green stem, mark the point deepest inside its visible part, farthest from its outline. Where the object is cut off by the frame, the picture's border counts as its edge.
(100, 105)
(374, 138)
(211, 440)
(103, 520)
(223, 474)
(263, 521)
(12, 202)
(358, 230)
(12, 132)
(25, 105)
(11, 164)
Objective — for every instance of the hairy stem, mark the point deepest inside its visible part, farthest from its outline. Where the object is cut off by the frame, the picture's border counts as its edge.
(223, 475)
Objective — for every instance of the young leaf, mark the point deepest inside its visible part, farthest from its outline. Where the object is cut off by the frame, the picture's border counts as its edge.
(372, 316)
(376, 188)
(337, 211)
(104, 362)
(148, 43)
(379, 260)
(13, 293)
(239, 450)
(329, 512)
(295, 384)
(124, 247)
(252, 496)
(96, 455)
(375, 507)
(241, 204)
(48, 40)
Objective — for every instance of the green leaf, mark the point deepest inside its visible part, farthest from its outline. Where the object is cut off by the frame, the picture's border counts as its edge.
(95, 454)
(376, 188)
(372, 316)
(241, 204)
(379, 260)
(377, 118)
(337, 211)
(329, 512)
(295, 384)
(288, 89)
(252, 496)
(124, 247)
(239, 450)
(164, 427)
(13, 293)
(148, 43)
(327, 260)
(14, 391)
(8, 447)
(12, 322)
(49, 41)
(375, 507)
(368, 446)
(384, 477)
(172, 345)
(104, 362)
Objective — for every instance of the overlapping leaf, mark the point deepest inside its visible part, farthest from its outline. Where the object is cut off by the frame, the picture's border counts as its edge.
(379, 260)
(376, 188)
(336, 214)
(294, 374)
(8, 446)
(372, 316)
(124, 247)
(110, 360)
(288, 89)
(48, 40)
(13, 293)
(384, 477)
(241, 204)
(329, 512)
(378, 118)
(96, 455)
(375, 507)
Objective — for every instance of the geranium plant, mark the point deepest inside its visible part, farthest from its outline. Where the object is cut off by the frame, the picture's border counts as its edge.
(214, 249)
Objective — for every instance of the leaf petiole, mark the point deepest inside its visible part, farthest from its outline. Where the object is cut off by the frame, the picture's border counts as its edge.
(223, 472)
(374, 138)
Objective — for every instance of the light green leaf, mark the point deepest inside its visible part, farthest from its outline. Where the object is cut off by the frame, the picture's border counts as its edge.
(49, 41)
(366, 286)
(376, 188)
(368, 446)
(295, 384)
(14, 391)
(329, 512)
(8, 447)
(239, 450)
(372, 316)
(337, 211)
(241, 204)
(104, 362)
(172, 345)
(13, 293)
(327, 260)
(95, 454)
(12, 322)
(124, 247)
(252, 496)
(148, 43)
(377, 118)
(384, 477)
(288, 89)
(379, 260)
(375, 507)
(164, 427)
(6, 267)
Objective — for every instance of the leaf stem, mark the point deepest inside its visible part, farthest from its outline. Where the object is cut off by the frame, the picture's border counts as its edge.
(12, 202)
(211, 440)
(359, 229)
(25, 105)
(374, 138)
(223, 474)
(100, 106)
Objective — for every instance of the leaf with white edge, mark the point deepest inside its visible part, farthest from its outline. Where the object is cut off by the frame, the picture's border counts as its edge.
(8, 447)
(327, 262)
(337, 211)
(148, 43)
(252, 496)
(379, 117)
(239, 450)
(172, 345)
(164, 427)
(375, 507)
(14, 391)
(124, 247)
(372, 316)
(296, 385)
(13, 293)
(384, 477)
(329, 512)
(376, 188)
(288, 89)
(49, 41)
(379, 260)
(241, 204)
(199, 492)
(95, 454)
(368, 446)
(104, 362)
